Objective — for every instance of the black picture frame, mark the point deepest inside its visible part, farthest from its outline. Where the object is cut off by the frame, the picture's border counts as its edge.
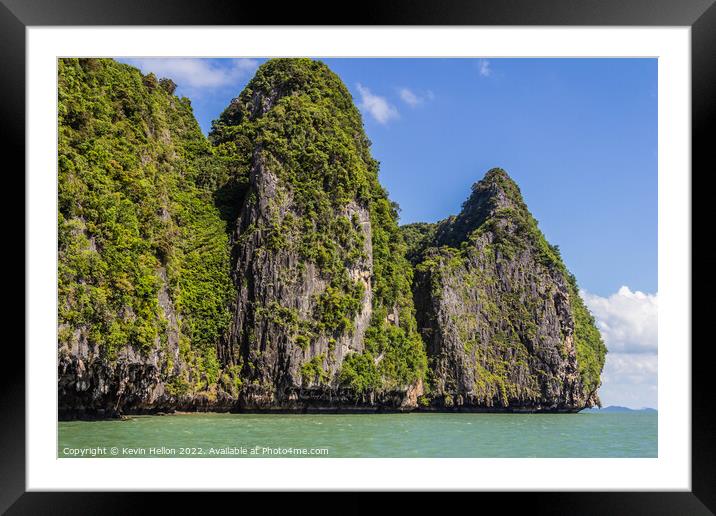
(700, 15)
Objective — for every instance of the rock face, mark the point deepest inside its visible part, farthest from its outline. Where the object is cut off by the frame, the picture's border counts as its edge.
(263, 268)
(504, 325)
(277, 333)
(143, 256)
(318, 261)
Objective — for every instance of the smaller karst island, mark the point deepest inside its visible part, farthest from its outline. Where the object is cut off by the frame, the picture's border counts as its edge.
(263, 268)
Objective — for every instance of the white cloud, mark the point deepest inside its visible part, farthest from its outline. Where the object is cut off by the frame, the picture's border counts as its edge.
(413, 99)
(197, 73)
(627, 320)
(630, 380)
(631, 368)
(484, 67)
(378, 107)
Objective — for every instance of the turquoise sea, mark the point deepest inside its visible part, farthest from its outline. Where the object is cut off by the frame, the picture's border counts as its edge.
(364, 435)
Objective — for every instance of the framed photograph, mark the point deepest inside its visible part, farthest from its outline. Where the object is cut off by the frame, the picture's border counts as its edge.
(430, 249)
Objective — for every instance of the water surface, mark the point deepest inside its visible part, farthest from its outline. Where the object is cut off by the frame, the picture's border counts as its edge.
(364, 435)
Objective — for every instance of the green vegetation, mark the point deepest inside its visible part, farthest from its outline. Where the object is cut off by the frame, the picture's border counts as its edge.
(360, 373)
(147, 215)
(312, 372)
(506, 217)
(310, 135)
(142, 250)
(336, 308)
(418, 237)
(590, 348)
(495, 228)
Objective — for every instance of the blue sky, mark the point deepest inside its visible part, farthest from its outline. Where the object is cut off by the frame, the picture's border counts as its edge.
(579, 136)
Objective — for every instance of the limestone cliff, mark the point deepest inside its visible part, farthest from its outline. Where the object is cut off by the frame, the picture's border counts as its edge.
(263, 268)
(143, 257)
(323, 314)
(504, 325)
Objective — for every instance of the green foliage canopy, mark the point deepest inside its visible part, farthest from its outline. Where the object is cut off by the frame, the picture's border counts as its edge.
(140, 241)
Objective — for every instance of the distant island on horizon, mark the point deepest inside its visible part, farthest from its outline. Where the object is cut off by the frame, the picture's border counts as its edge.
(617, 409)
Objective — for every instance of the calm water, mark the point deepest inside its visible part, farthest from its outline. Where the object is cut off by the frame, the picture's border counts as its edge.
(365, 435)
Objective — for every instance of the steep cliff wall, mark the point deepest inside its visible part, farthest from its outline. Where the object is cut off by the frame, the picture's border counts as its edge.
(504, 325)
(143, 257)
(263, 268)
(323, 314)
